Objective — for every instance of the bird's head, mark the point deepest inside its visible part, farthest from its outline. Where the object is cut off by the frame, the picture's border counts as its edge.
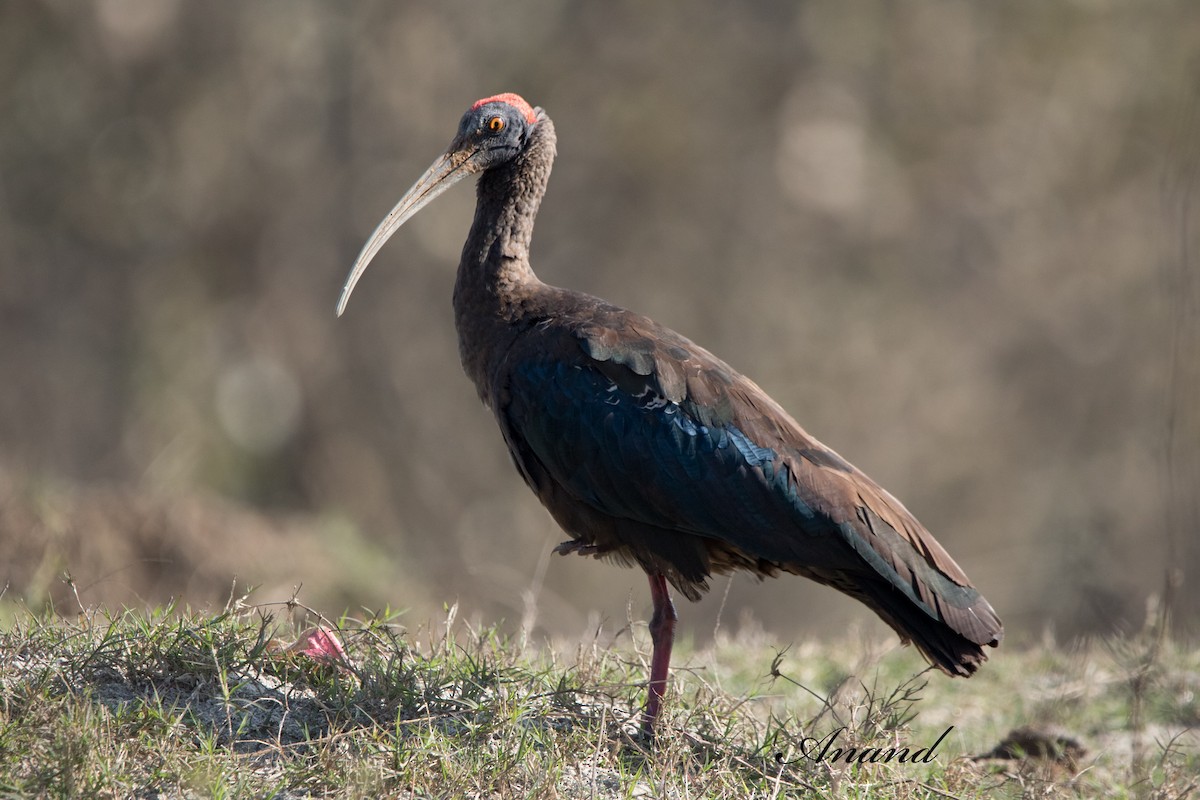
(492, 132)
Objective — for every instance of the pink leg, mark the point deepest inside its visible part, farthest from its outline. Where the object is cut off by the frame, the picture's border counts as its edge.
(662, 634)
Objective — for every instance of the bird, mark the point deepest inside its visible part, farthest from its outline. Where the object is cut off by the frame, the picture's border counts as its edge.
(650, 451)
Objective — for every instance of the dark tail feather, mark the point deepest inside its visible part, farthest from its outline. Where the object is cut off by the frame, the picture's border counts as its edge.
(954, 644)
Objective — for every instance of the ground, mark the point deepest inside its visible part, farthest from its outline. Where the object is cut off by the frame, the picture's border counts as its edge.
(177, 703)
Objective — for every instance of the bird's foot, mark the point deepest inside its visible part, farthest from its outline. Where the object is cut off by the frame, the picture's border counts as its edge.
(582, 548)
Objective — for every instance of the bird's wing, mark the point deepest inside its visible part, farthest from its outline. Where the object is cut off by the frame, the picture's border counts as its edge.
(641, 424)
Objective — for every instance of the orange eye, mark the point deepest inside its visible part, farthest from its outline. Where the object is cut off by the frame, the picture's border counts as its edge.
(495, 124)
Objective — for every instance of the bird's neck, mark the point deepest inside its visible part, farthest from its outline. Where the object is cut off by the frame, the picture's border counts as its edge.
(495, 283)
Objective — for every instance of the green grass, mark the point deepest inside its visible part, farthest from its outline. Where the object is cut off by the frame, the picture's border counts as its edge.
(174, 703)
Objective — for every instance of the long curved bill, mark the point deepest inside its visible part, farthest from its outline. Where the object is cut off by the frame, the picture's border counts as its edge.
(448, 170)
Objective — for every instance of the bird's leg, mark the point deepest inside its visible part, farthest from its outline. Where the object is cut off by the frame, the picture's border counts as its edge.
(662, 635)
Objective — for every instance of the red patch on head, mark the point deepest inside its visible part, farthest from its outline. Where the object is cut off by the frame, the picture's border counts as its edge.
(514, 100)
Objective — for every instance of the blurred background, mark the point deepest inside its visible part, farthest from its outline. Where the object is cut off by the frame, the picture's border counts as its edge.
(959, 242)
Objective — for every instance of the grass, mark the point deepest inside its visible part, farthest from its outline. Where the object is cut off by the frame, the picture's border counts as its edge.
(174, 703)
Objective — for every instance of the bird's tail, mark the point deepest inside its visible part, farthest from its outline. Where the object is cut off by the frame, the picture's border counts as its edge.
(953, 642)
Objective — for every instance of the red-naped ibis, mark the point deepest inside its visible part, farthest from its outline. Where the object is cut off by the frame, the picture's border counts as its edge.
(648, 449)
